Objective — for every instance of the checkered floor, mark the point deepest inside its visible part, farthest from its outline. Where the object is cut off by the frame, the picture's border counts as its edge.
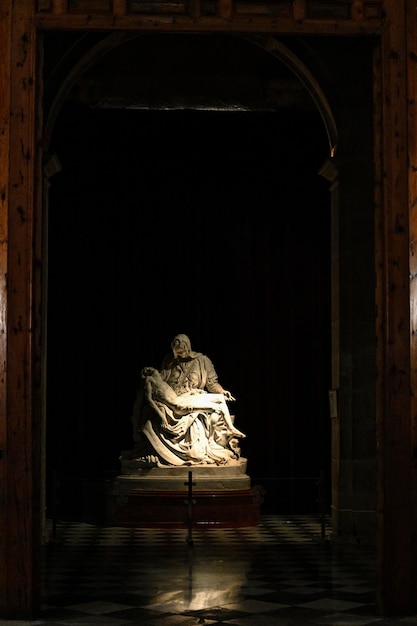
(285, 571)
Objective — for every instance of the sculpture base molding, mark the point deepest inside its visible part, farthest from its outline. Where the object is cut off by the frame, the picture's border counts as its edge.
(171, 509)
(221, 497)
(213, 477)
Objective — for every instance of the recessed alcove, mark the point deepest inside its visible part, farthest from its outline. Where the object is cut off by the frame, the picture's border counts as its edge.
(200, 209)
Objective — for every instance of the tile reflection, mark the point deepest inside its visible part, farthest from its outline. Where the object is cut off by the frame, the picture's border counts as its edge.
(198, 582)
(282, 571)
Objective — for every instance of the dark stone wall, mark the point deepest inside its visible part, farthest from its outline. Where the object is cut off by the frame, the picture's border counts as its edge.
(216, 224)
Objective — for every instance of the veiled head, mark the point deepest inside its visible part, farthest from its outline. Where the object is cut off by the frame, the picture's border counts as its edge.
(181, 346)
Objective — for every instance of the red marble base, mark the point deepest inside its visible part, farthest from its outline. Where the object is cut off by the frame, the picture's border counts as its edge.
(171, 509)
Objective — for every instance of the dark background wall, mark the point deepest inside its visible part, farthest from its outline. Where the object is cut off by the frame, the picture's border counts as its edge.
(210, 223)
(213, 223)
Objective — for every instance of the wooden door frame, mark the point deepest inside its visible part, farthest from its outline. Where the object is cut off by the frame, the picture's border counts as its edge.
(21, 200)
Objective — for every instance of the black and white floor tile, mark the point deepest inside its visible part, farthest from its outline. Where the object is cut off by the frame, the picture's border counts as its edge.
(285, 571)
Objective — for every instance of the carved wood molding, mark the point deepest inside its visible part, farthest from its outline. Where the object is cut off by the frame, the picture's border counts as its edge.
(337, 17)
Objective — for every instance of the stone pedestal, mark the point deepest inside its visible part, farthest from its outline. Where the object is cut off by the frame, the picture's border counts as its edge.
(176, 497)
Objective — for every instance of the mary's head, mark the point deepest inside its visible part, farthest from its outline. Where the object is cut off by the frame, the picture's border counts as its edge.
(181, 346)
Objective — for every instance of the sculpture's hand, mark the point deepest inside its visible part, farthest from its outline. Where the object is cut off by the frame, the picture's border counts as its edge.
(228, 396)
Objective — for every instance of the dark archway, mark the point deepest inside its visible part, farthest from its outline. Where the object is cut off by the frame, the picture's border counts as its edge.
(197, 190)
